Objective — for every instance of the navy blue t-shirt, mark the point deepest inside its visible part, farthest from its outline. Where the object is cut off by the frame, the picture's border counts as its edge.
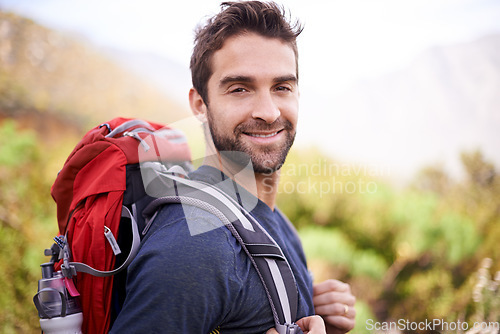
(192, 276)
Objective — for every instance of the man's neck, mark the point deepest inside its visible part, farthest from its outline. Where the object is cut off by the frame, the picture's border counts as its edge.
(267, 188)
(262, 186)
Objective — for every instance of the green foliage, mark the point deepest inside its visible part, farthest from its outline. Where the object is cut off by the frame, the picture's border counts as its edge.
(363, 315)
(432, 288)
(408, 253)
(447, 235)
(333, 246)
(15, 149)
(26, 225)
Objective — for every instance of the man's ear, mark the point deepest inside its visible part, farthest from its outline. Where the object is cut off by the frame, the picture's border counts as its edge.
(198, 106)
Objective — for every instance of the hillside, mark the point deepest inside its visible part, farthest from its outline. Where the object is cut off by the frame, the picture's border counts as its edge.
(171, 77)
(445, 101)
(43, 72)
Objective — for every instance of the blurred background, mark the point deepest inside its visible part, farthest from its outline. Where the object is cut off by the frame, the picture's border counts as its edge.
(393, 182)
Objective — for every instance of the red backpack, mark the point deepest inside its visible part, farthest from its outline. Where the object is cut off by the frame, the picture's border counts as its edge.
(101, 198)
(89, 192)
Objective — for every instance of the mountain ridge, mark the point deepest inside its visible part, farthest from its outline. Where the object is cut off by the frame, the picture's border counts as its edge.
(60, 76)
(444, 102)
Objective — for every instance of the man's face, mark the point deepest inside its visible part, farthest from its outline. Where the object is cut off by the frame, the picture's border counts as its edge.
(253, 99)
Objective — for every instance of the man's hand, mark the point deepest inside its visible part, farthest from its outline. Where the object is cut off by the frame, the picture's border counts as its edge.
(334, 301)
(310, 325)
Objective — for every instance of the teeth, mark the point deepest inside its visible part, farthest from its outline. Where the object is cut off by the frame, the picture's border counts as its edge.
(264, 136)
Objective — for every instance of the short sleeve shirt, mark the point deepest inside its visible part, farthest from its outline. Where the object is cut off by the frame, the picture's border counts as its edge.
(192, 276)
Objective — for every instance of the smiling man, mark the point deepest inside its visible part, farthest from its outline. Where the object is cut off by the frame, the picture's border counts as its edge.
(251, 107)
(191, 280)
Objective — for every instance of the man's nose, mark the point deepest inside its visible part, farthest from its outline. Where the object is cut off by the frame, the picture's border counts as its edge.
(266, 108)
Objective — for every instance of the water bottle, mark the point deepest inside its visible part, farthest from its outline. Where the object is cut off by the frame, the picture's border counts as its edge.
(59, 312)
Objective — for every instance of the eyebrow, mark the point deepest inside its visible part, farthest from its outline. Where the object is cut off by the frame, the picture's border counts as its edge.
(248, 79)
(232, 79)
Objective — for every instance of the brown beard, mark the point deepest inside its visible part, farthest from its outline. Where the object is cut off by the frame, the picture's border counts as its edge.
(268, 159)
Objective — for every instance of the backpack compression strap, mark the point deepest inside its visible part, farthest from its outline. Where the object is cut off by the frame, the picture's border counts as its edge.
(71, 268)
(264, 253)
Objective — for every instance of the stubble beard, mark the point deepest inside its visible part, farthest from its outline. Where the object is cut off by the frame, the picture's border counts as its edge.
(265, 159)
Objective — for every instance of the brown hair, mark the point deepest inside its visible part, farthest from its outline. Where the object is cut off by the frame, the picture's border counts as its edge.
(264, 18)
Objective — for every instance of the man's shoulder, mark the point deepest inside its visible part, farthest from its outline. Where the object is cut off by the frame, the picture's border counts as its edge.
(188, 231)
(183, 216)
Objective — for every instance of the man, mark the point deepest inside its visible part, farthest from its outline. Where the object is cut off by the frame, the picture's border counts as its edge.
(191, 275)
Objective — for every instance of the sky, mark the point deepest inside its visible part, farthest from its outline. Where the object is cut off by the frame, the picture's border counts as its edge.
(344, 31)
(344, 41)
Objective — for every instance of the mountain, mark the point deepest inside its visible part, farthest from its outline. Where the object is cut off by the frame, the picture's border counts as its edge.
(170, 77)
(446, 101)
(46, 72)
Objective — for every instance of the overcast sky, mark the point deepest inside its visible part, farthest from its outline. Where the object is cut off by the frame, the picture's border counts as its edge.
(342, 33)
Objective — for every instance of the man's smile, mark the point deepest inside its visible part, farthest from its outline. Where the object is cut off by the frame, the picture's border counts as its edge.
(262, 134)
(267, 137)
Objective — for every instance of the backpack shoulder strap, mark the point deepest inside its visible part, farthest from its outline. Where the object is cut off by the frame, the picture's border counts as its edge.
(264, 253)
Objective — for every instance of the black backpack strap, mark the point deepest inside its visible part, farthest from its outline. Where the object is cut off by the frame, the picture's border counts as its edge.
(264, 253)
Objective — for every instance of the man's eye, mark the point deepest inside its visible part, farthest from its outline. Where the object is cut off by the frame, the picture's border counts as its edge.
(238, 90)
(283, 88)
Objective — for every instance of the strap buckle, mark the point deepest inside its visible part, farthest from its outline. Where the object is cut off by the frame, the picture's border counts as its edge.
(289, 329)
(68, 270)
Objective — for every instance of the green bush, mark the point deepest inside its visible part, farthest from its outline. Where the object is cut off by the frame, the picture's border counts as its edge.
(408, 252)
(27, 223)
